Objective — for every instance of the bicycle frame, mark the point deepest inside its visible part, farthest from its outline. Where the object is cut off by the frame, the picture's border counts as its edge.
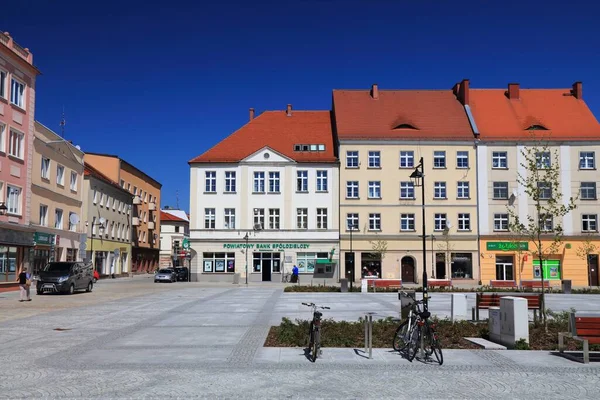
(314, 345)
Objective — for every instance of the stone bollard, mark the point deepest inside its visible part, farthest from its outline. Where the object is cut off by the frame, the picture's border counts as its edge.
(458, 307)
(514, 320)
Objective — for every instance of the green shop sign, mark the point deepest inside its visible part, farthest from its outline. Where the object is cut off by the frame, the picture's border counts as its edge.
(45, 239)
(507, 246)
(267, 246)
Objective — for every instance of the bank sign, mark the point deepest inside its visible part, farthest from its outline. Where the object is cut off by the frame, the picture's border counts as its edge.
(507, 246)
(267, 246)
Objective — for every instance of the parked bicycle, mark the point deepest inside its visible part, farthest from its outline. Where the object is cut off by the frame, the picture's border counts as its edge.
(314, 342)
(287, 277)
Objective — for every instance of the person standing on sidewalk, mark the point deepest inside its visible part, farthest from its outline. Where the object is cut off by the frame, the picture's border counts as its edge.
(24, 285)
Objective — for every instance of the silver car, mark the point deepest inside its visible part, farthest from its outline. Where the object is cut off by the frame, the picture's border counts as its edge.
(165, 275)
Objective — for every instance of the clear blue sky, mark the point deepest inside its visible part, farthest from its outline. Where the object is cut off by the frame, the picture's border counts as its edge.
(159, 83)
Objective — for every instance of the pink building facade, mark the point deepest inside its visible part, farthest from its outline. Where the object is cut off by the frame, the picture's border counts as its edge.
(17, 109)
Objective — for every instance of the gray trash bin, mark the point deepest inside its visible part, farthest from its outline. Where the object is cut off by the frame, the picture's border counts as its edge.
(566, 286)
(406, 300)
(236, 279)
(344, 285)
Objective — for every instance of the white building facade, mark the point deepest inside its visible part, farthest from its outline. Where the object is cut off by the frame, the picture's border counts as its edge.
(174, 230)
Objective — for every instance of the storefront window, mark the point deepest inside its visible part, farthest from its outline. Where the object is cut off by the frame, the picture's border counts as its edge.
(40, 259)
(8, 263)
(504, 268)
(551, 269)
(218, 262)
(71, 254)
(100, 262)
(462, 265)
(370, 264)
(306, 261)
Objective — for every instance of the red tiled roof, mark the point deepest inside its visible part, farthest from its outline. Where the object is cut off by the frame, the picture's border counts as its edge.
(170, 217)
(436, 115)
(88, 170)
(279, 132)
(565, 116)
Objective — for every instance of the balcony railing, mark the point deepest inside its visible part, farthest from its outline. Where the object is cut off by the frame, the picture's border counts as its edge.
(135, 221)
(152, 206)
(151, 225)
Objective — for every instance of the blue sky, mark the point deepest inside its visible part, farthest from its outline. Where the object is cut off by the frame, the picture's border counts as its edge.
(165, 81)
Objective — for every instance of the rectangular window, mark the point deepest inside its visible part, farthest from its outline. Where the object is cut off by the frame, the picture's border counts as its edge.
(210, 182)
(499, 159)
(45, 168)
(135, 191)
(273, 218)
(352, 159)
(407, 190)
(500, 222)
(439, 159)
(259, 218)
(407, 222)
(73, 181)
(302, 218)
(321, 218)
(589, 223)
(543, 160)
(374, 189)
(15, 144)
(374, 159)
(122, 183)
(500, 190)
(439, 190)
(464, 222)
(588, 190)
(43, 215)
(302, 181)
(72, 226)
(374, 222)
(307, 261)
(462, 190)
(407, 159)
(229, 219)
(273, 182)
(13, 200)
(462, 159)
(17, 93)
(546, 223)
(2, 138)
(587, 160)
(352, 190)
(259, 182)
(3, 76)
(60, 175)
(544, 190)
(352, 221)
(209, 218)
(58, 218)
(230, 182)
(321, 181)
(218, 263)
(439, 222)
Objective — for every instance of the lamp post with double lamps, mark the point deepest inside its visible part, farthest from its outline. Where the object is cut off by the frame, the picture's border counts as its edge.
(418, 179)
(101, 230)
(3, 208)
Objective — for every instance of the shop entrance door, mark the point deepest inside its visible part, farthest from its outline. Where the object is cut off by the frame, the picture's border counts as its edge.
(504, 268)
(266, 264)
(593, 266)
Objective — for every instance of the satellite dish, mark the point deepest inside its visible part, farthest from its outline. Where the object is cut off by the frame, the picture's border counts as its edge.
(102, 220)
(74, 219)
(449, 224)
(78, 147)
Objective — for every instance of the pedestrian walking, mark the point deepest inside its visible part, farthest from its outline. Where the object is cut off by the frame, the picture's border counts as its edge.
(295, 275)
(24, 280)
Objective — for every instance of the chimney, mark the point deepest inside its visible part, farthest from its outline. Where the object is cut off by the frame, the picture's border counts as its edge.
(577, 91)
(374, 91)
(289, 110)
(513, 91)
(461, 91)
(251, 114)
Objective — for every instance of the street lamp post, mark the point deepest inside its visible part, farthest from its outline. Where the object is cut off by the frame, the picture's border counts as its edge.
(418, 179)
(352, 271)
(101, 230)
(246, 237)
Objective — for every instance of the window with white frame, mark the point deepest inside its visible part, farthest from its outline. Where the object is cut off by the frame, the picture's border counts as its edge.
(259, 217)
(407, 222)
(102, 198)
(374, 159)
(544, 190)
(500, 222)
(210, 182)
(74, 181)
(145, 217)
(95, 200)
(274, 182)
(72, 226)
(439, 222)
(439, 190)
(209, 218)
(302, 218)
(374, 221)
(58, 218)
(352, 159)
(135, 191)
(587, 160)
(546, 222)
(462, 190)
(273, 218)
(302, 181)
(114, 204)
(352, 190)
(464, 221)
(374, 189)
(407, 159)
(119, 231)
(60, 175)
(321, 181)
(17, 93)
(352, 221)
(3, 75)
(589, 223)
(43, 215)
(2, 138)
(45, 168)
(15, 144)
(229, 218)
(543, 160)
(321, 218)
(588, 191)
(259, 182)
(108, 199)
(407, 190)
(13, 200)
(499, 159)
(439, 159)
(462, 159)
(122, 183)
(500, 190)
(230, 182)
(120, 207)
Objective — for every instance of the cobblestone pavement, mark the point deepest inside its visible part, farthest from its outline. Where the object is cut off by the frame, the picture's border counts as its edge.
(142, 340)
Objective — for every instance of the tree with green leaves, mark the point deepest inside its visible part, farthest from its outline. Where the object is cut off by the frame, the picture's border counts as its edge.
(584, 251)
(446, 246)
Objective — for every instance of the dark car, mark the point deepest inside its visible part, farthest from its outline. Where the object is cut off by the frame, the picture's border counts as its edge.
(182, 273)
(65, 277)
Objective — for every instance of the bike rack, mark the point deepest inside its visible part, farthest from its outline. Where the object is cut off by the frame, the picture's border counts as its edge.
(369, 333)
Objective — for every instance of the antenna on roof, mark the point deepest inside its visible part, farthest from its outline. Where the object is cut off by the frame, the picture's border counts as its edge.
(63, 122)
(177, 198)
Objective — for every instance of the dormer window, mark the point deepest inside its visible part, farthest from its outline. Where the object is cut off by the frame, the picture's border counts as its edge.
(405, 126)
(305, 147)
(536, 127)
(309, 147)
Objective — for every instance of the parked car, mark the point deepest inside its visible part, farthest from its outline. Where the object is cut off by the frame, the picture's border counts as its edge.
(65, 277)
(165, 275)
(182, 273)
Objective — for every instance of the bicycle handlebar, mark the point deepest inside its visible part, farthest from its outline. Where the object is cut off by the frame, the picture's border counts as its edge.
(316, 306)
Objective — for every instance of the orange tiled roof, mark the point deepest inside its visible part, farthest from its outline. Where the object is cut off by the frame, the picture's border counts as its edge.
(170, 217)
(565, 116)
(436, 115)
(279, 132)
(88, 170)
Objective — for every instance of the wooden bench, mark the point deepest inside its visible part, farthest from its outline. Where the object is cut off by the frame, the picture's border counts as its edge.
(503, 284)
(486, 300)
(384, 283)
(536, 285)
(439, 283)
(585, 327)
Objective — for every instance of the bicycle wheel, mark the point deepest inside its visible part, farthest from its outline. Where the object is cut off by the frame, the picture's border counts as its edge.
(435, 346)
(399, 342)
(414, 342)
(316, 345)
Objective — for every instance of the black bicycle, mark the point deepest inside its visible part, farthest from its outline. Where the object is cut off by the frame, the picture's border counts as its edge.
(314, 332)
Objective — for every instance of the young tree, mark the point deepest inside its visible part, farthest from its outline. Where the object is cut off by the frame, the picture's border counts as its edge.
(446, 246)
(379, 248)
(584, 251)
(541, 183)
